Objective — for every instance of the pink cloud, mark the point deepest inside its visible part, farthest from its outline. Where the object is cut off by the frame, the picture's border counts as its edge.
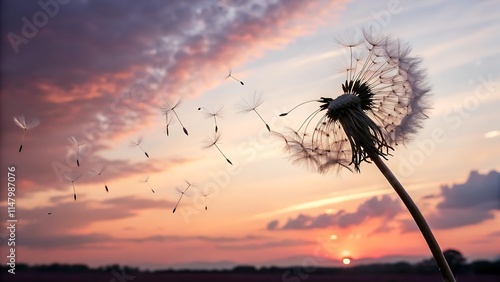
(96, 59)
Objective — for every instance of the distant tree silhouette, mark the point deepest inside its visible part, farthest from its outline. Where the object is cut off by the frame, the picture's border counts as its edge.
(56, 267)
(244, 268)
(402, 267)
(485, 267)
(456, 260)
(427, 266)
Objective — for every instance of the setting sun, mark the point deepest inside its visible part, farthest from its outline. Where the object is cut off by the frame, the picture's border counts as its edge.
(346, 261)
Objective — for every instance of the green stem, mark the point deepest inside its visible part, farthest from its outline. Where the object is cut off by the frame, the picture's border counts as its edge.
(418, 217)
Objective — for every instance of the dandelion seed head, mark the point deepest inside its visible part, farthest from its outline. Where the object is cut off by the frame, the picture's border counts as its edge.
(382, 103)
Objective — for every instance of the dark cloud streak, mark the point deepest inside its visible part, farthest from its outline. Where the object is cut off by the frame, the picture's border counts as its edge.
(384, 207)
(469, 203)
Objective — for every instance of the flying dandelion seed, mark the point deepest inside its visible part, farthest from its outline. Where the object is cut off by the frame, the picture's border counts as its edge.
(171, 108)
(252, 106)
(381, 104)
(213, 114)
(98, 171)
(49, 213)
(78, 144)
(209, 142)
(231, 76)
(183, 192)
(138, 144)
(24, 125)
(145, 180)
(72, 177)
(205, 195)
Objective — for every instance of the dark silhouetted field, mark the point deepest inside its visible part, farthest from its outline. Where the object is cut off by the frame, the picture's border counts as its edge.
(236, 277)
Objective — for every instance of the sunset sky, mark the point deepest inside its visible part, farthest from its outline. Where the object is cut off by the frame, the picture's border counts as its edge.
(100, 71)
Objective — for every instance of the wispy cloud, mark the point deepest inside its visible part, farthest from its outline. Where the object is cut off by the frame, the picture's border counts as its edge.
(347, 196)
(267, 245)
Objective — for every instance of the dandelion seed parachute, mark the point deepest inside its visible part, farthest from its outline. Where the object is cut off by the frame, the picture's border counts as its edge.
(252, 105)
(72, 177)
(23, 124)
(146, 181)
(138, 144)
(231, 76)
(78, 144)
(205, 195)
(171, 108)
(212, 142)
(183, 192)
(217, 113)
(381, 104)
(98, 171)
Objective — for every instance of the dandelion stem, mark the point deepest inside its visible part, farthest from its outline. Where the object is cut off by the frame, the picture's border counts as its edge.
(150, 187)
(104, 182)
(143, 150)
(22, 141)
(286, 113)
(167, 123)
(178, 201)
(267, 126)
(241, 82)
(417, 216)
(74, 191)
(223, 154)
(182, 194)
(183, 128)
